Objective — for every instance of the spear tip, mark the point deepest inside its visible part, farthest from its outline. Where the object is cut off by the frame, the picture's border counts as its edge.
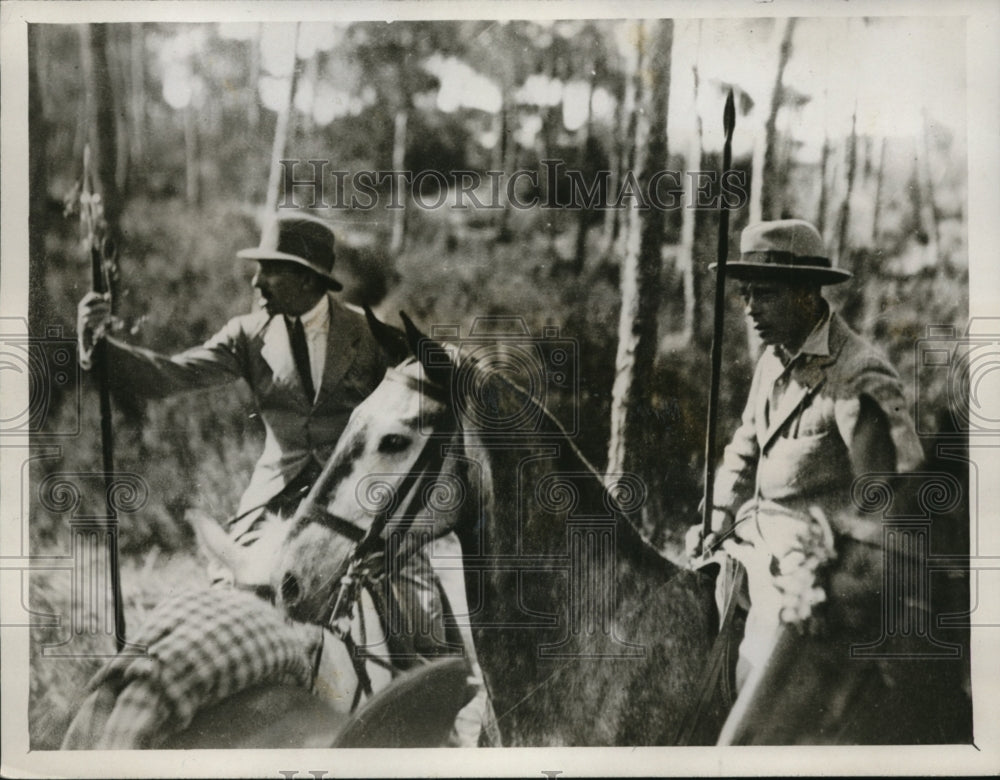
(729, 114)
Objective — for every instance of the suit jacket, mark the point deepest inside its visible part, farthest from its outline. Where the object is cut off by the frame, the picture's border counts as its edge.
(254, 347)
(802, 452)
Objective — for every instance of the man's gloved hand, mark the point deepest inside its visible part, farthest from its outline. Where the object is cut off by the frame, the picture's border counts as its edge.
(93, 315)
(694, 544)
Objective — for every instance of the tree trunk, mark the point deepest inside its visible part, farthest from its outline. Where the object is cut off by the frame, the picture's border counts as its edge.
(824, 160)
(763, 186)
(38, 299)
(764, 192)
(40, 52)
(633, 91)
(632, 430)
(253, 98)
(281, 133)
(583, 214)
(121, 67)
(546, 142)
(623, 131)
(844, 218)
(137, 97)
(398, 239)
(879, 177)
(507, 154)
(853, 308)
(932, 218)
(686, 252)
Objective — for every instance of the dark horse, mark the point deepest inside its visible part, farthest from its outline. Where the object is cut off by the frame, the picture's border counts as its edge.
(586, 635)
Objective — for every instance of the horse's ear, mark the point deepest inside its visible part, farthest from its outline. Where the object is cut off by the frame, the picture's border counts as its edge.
(433, 356)
(392, 340)
(413, 334)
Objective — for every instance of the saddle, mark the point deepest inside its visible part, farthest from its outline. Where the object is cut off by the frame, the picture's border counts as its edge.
(418, 709)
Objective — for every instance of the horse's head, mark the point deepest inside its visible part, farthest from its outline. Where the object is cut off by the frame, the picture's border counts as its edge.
(402, 466)
(381, 472)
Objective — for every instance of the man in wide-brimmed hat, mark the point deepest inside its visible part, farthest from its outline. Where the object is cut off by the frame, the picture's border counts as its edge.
(824, 408)
(308, 358)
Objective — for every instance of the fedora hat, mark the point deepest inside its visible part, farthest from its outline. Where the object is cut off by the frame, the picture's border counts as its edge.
(297, 238)
(789, 249)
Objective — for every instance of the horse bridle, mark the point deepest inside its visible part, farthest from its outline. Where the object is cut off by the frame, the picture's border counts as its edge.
(365, 565)
(424, 465)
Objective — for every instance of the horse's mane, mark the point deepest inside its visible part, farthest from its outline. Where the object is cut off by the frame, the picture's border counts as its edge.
(632, 537)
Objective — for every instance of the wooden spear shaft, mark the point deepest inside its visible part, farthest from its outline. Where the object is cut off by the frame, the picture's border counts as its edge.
(722, 250)
(100, 284)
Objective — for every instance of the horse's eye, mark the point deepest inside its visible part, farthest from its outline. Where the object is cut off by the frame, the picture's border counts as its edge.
(393, 442)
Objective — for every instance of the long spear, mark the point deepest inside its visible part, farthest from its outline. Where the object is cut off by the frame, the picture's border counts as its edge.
(722, 250)
(102, 260)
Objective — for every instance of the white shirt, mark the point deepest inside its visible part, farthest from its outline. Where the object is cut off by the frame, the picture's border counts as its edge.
(316, 323)
(816, 343)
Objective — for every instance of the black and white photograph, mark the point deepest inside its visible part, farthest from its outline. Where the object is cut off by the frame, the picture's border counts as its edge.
(499, 389)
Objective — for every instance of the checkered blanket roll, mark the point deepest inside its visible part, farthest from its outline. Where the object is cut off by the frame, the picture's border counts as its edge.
(202, 647)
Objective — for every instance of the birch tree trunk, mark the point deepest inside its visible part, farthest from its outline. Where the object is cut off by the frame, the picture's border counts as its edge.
(623, 131)
(630, 116)
(631, 413)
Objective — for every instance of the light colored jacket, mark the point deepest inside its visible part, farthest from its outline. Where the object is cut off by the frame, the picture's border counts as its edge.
(803, 453)
(254, 347)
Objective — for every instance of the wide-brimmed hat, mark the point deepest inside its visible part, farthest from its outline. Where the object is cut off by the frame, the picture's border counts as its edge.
(787, 249)
(297, 238)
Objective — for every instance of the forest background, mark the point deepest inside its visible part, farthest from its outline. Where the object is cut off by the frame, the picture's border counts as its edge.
(857, 124)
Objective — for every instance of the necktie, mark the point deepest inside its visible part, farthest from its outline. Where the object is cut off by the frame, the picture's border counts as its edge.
(300, 352)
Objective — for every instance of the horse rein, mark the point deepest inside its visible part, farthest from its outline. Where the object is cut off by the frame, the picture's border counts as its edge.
(366, 566)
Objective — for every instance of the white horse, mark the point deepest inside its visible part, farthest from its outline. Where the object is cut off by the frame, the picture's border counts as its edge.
(224, 668)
